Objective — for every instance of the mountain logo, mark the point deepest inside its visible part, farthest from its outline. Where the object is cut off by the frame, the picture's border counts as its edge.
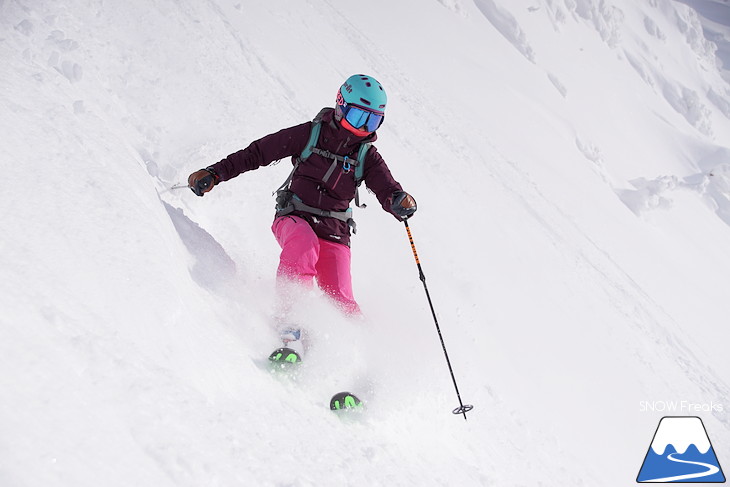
(681, 452)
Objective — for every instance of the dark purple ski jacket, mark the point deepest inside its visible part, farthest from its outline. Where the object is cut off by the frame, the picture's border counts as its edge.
(307, 183)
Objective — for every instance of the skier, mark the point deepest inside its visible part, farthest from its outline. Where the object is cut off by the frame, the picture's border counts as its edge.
(313, 219)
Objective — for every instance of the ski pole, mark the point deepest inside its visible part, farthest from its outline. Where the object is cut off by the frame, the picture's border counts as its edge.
(463, 408)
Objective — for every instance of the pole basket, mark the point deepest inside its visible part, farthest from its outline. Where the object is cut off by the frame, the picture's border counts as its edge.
(463, 409)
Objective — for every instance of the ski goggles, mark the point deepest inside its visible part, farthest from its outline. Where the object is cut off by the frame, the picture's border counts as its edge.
(362, 118)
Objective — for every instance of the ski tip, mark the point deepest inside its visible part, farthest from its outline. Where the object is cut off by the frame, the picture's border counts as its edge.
(284, 357)
(346, 401)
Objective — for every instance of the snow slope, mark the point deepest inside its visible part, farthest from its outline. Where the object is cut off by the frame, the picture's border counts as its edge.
(714, 16)
(580, 267)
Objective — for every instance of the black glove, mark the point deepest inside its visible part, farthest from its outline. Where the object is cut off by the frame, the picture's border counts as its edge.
(202, 181)
(404, 206)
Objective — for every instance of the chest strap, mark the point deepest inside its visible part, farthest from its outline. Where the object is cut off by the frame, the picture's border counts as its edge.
(347, 162)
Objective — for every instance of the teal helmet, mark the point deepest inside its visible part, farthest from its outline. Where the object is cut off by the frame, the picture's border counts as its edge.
(360, 106)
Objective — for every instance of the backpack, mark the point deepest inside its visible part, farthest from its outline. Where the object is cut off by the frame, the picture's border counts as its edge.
(347, 162)
(288, 201)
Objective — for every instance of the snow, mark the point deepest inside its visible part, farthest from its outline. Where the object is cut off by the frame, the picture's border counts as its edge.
(571, 161)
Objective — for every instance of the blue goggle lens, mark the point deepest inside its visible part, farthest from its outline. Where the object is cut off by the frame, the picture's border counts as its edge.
(362, 119)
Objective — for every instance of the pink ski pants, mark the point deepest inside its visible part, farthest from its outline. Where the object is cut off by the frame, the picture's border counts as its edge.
(305, 256)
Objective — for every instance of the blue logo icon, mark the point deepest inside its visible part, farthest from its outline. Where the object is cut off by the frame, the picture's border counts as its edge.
(681, 452)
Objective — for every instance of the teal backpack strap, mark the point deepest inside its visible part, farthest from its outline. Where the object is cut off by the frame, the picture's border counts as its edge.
(360, 171)
(361, 155)
(311, 143)
(314, 134)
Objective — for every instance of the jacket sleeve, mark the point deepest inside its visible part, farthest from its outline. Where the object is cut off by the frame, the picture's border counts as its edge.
(264, 151)
(377, 178)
